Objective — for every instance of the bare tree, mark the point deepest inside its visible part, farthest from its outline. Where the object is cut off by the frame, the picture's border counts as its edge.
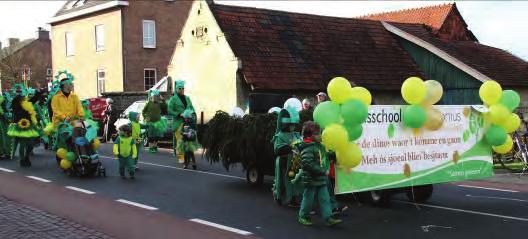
(10, 63)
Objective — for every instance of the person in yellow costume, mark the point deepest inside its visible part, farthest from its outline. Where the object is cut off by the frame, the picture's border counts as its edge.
(66, 104)
(126, 151)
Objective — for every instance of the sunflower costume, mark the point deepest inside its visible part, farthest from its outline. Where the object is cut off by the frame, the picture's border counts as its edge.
(24, 128)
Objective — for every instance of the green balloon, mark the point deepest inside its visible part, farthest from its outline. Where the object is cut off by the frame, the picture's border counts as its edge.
(70, 156)
(354, 131)
(496, 136)
(327, 113)
(510, 99)
(354, 112)
(414, 116)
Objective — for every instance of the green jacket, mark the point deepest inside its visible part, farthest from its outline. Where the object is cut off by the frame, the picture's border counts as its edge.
(176, 108)
(152, 111)
(314, 164)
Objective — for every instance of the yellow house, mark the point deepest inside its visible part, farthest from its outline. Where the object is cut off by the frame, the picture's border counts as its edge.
(115, 46)
(229, 54)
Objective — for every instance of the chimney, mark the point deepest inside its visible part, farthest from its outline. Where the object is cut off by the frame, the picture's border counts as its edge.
(42, 34)
(13, 41)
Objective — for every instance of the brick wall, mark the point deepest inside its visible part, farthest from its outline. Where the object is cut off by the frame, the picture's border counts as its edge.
(169, 17)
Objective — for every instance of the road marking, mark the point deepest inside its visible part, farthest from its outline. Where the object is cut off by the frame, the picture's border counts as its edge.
(466, 211)
(188, 170)
(80, 190)
(137, 204)
(499, 198)
(7, 170)
(494, 189)
(219, 226)
(39, 179)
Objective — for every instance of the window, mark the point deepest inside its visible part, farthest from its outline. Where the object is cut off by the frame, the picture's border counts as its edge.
(69, 43)
(101, 76)
(149, 77)
(149, 34)
(99, 38)
(49, 72)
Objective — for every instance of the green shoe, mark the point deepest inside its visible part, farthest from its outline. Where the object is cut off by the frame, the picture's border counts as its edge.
(305, 221)
(332, 222)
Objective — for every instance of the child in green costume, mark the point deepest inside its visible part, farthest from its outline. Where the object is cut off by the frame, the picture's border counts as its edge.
(156, 124)
(314, 175)
(284, 191)
(136, 128)
(189, 139)
(126, 151)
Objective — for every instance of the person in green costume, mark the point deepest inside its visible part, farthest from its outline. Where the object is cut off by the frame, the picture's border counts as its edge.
(136, 128)
(24, 128)
(126, 151)
(189, 141)
(284, 141)
(87, 112)
(5, 141)
(178, 103)
(314, 176)
(152, 115)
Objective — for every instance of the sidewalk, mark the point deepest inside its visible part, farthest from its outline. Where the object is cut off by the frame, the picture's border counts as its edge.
(21, 221)
(502, 179)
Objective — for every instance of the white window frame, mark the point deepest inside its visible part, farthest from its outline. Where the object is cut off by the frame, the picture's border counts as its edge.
(149, 33)
(145, 75)
(100, 89)
(99, 37)
(68, 39)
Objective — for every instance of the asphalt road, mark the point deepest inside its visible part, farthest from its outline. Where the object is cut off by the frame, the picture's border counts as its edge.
(214, 195)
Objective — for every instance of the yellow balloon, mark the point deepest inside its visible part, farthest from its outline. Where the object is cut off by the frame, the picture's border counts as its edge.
(413, 90)
(435, 119)
(339, 90)
(65, 164)
(490, 92)
(498, 114)
(61, 153)
(349, 156)
(434, 92)
(512, 123)
(504, 148)
(361, 94)
(96, 144)
(335, 137)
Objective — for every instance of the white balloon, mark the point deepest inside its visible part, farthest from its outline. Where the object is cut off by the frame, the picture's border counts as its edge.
(293, 103)
(274, 110)
(237, 112)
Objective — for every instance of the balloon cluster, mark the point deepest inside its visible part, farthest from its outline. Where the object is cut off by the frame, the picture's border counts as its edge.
(421, 95)
(342, 118)
(67, 157)
(501, 105)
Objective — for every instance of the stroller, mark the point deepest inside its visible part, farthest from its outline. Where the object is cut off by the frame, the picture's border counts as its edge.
(79, 140)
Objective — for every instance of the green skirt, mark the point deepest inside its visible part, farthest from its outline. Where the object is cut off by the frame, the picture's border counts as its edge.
(157, 129)
(17, 132)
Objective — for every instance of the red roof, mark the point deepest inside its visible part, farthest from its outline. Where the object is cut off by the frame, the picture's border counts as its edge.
(495, 63)
(291, 51)
(432, 16)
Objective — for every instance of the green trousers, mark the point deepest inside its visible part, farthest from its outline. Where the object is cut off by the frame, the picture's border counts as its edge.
(127, 163)
(323, 199)
(330, 184)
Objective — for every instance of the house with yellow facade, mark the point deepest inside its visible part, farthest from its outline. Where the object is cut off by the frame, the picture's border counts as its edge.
(115, 46)
(229, 55)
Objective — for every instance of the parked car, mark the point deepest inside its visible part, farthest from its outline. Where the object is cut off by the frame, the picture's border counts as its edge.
(138, 108)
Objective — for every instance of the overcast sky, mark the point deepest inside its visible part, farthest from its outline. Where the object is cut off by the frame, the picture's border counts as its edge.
(500, 24)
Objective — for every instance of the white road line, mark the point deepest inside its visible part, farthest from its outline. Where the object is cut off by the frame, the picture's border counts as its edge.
(80, 190)
(188, 170)
(212, 224)
(494, 189)
(137, 204)
(498, 198)
(7, 170)
(466, 211)
(39, 179)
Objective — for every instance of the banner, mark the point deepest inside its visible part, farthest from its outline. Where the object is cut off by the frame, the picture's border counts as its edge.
(395, 156)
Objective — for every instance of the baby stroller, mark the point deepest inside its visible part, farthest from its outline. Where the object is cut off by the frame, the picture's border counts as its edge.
(80, 142)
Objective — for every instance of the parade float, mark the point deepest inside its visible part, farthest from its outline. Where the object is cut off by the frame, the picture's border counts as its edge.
(382, 149)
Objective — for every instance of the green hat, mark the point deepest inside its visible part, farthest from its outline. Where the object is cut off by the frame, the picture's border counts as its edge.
(68, 79)
(85, 102)
(179, 84)
(154, 92)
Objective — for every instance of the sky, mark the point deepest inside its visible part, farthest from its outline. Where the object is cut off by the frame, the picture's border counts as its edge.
(501, 24)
